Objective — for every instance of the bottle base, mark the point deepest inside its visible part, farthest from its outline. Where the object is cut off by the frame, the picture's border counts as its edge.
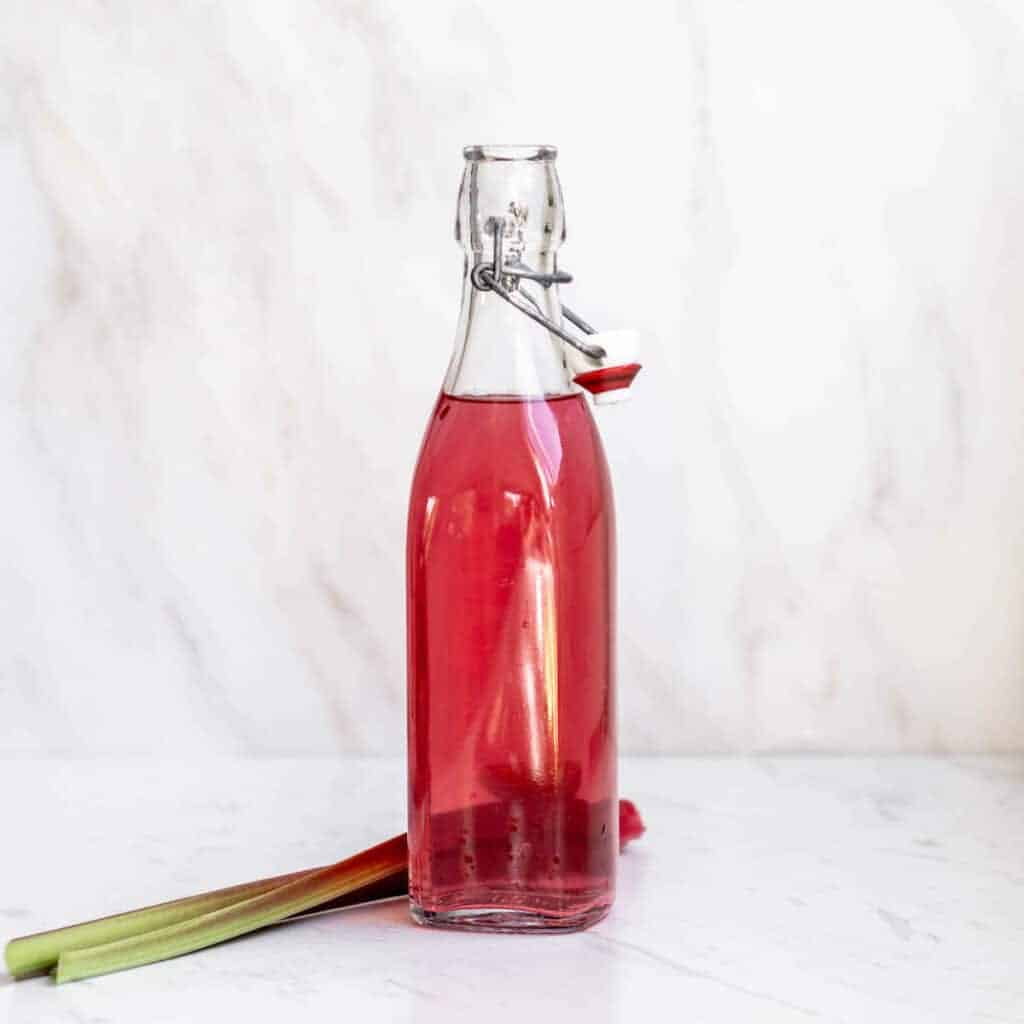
(507, 920)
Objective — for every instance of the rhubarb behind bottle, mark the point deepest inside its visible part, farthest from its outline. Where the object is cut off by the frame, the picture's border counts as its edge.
(513, 819)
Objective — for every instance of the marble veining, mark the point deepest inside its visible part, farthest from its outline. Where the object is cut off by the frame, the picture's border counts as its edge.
(790, 889)
(229, 288)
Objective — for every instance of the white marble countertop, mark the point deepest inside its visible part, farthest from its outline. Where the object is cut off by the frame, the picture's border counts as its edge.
(785, 889)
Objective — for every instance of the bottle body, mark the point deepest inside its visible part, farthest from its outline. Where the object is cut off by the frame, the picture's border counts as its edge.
(511, 601)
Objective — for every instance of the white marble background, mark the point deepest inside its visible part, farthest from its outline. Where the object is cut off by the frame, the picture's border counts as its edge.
(228, 289)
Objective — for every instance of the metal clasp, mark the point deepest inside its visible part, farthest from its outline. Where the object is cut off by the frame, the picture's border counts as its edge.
(488, 277)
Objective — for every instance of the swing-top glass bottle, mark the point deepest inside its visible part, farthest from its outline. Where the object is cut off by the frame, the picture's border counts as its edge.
(511, 593)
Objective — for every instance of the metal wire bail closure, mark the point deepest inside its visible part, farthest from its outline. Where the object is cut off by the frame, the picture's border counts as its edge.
(488, 277)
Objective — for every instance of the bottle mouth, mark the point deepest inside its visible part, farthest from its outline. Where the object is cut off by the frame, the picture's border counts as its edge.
(482, 153)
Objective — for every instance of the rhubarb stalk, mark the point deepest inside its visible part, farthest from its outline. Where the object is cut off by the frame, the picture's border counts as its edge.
(33, 953)
(170, 929)
(302, 893)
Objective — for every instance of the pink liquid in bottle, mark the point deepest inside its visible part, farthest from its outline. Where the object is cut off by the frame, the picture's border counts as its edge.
(512, 795)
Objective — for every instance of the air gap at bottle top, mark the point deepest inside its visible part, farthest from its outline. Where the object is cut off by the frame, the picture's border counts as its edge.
(511, 583)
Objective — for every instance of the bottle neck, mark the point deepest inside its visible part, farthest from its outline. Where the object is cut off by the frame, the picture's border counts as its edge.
(500, 352)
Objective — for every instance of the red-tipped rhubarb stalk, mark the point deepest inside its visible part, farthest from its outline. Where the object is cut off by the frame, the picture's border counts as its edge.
(250, 914)
(171, 929)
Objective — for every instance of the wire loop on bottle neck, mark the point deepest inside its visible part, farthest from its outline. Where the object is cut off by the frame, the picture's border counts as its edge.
(490, 277)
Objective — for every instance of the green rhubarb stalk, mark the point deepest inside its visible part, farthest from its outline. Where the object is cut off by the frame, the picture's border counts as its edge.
(33, 953)
(307, 891)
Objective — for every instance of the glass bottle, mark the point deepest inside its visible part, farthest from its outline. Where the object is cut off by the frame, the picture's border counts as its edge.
(511, 597)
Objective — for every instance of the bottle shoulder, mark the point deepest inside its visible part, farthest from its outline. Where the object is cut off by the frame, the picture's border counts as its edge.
(516, 445)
